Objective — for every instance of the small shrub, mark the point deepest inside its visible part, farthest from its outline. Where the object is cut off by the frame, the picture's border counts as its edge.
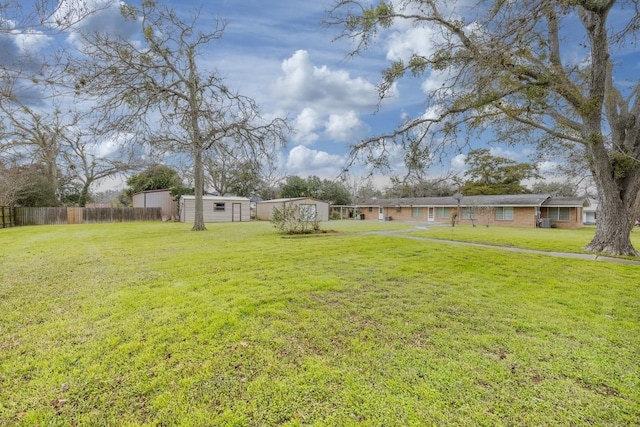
(290, 219)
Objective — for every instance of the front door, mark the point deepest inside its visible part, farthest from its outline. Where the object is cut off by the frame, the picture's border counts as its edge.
(430, 215)
(380, 214)
(236, 212)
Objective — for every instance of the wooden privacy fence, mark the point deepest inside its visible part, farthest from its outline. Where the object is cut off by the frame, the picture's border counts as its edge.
(51, 216)
(6, 217)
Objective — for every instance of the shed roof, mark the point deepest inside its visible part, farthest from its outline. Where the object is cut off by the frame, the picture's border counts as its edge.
(217, 198)
(161, 190)
(290, 199)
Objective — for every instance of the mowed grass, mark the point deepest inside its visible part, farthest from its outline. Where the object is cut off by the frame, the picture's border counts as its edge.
(151, 324)
(544, 239)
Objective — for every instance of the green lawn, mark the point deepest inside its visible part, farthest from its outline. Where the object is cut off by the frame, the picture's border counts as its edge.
(545, 239)
(151, 324)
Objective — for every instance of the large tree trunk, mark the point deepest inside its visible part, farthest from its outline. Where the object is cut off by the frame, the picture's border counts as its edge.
(612, 233)
(198, 170)
(616, 207)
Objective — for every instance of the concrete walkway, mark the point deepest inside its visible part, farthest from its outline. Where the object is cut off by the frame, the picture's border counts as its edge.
(590, 257)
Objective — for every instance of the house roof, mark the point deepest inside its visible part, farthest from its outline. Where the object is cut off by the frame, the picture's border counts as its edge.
(497, 200)
(566, 201)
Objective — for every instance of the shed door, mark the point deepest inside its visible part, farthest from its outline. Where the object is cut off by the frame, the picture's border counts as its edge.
(236, 212)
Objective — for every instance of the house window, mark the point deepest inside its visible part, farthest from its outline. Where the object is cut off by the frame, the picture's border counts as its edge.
(218, 207)
(468, 213)
(398, 209)
(370, 209)
(504, 214)
(443, 212)
(558, 214)
(308, 212)
(416, 212)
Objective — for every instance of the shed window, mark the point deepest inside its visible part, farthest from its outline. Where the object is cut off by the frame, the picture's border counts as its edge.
(218, 207)
(504, 214)
(443, 212)
(559, 214)
(417, 212)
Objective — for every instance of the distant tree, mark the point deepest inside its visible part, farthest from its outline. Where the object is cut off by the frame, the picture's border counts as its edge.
(31, 137)
(322, 189)
(560, 189)
(231, 171)
(434, 187)
(161, 74)
(488, 174)
(36, 190)
(109, 197)
(81, 161)
(154, 177)
(62, 143)
(334, 192)
(367, 191)
(12, 180)
(294, 186)
(271, 179)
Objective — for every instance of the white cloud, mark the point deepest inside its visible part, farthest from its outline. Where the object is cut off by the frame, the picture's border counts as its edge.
(548, 167)
(305, 161)
(433, 113)
(306, 125)
(87, 16)
(31, 42)
(507, 154)
(109, 148)
(403, 44)
(344, 127)
(326, 90)
(459, 162)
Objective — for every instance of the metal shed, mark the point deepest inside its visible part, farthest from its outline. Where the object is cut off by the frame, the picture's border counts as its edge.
(216, 208)
(264, 209)
(157, 199)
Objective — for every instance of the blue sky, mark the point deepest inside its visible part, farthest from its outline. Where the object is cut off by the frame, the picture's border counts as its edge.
(279, 53)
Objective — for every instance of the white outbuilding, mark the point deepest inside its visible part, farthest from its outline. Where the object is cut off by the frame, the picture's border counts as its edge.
(216, 208)
(311, 206)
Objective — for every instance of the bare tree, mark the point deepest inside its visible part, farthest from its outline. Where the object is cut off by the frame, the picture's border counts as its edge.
(504, 65)
(84, 164)
(31, 137)
(62, 144)
(230, 170)
(12, 180)
(156, 87)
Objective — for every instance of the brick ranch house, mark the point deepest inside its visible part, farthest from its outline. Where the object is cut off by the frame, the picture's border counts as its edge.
(516, 210)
